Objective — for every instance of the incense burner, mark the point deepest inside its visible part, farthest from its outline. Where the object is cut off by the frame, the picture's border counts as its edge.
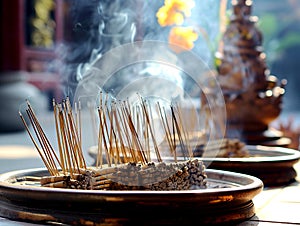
(253, 96)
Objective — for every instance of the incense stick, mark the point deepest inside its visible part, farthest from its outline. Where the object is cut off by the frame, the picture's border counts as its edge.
(125, 134)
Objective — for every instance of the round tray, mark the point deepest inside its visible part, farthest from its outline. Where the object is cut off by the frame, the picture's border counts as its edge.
(228, 198)
(273, 165)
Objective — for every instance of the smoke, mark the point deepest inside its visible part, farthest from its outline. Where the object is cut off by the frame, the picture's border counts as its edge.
(118, 47)
(94, 27)
(100, 25)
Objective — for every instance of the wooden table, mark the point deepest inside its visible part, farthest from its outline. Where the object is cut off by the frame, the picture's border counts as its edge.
(278, 204)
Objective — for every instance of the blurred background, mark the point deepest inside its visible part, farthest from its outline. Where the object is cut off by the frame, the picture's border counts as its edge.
(45, 44)
(279, 22)
(44, 41)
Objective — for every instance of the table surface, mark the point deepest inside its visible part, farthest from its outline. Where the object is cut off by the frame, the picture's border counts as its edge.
(273, 206)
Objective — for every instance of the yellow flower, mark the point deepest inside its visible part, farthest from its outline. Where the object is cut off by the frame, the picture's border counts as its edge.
(167, 16)
(184, 6)
(183, 37)
(174, 12)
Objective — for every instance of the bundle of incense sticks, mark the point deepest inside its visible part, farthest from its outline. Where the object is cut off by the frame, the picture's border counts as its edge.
(222, 148)
(67, 124)
(125, 135)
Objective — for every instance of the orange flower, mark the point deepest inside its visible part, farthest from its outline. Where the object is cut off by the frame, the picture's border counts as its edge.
(167, 16)
(174, 11)
(184, 6)
(183, 37)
